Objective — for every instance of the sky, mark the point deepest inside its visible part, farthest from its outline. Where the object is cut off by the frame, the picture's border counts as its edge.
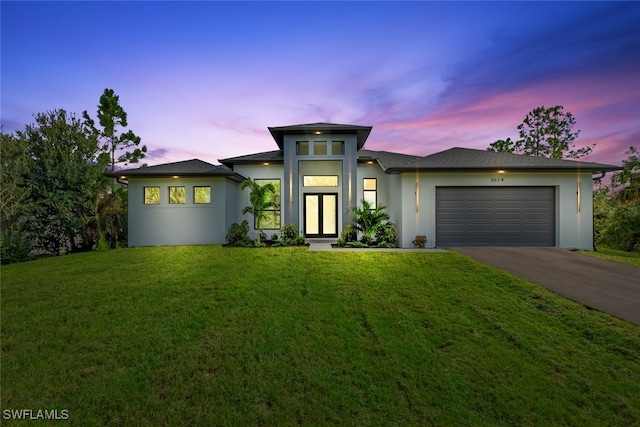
(205, 79)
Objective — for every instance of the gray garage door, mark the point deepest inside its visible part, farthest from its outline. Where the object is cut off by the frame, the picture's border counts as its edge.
(495, 216)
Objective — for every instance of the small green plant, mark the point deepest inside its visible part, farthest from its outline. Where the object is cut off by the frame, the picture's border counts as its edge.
(386, 236)
(299, 241)
(356, 244)
(238, 234)
(370, 221)
(420, 242)
(274, 237)
(289, 233)
(340, 242)
(349, 234)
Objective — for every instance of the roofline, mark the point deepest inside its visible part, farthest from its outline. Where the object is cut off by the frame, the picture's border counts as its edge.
(361, 132)
(507, 169)
(233, 176)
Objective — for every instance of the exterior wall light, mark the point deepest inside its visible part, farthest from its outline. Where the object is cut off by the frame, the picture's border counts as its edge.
(318, 132)
(266, 163)
(501, 171)
(176, 177)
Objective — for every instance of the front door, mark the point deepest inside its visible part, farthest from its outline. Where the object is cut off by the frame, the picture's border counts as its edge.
(321, 215)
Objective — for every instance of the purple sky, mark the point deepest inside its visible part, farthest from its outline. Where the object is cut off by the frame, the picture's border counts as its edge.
(205, 79)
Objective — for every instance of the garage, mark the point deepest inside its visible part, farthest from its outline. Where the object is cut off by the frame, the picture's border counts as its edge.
(495, 216)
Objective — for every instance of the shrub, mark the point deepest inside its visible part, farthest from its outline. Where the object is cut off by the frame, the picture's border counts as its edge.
(420, 242)
(14, 248)
(349, 234)
(289, 233)
(369, 221)
(386, 236)
(299, 241)
(341, 242)
(356, 245)
(238, 233)
(274, 237)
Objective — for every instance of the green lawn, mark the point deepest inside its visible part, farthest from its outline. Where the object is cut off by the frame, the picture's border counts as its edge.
(631, 258)
(206, 335)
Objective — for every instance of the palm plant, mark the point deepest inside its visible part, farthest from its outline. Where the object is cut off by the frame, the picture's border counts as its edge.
(261, 199)
(371, 222)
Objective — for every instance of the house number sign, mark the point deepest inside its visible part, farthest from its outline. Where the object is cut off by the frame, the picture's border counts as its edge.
(497, 179)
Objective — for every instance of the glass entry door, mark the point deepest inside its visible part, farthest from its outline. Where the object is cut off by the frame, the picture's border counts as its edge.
(321, 215)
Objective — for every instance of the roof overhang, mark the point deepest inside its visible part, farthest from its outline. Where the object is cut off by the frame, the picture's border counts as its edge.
(361, 132)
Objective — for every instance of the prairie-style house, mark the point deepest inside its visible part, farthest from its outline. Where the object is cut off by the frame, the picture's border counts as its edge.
(457, 197)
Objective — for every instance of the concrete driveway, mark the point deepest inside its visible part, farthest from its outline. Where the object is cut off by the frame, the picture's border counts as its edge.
(603, 285)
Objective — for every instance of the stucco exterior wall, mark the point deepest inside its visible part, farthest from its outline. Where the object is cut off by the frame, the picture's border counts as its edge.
(574, 229)
(177, 224)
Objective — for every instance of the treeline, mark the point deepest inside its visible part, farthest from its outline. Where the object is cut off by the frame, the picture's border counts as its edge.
(616, 208)
(55, 197)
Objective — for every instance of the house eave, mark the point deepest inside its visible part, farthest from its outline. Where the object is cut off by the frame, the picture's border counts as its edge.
(313, 129)
(396, 170)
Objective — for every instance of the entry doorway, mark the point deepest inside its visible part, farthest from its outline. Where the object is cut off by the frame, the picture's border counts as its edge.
(321, 215)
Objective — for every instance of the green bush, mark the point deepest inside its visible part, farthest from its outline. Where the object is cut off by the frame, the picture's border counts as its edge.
(299, 241)
(14, 248)
(356, 245)
(238, 234)
(289, 233)
(349, 234)
(386, 236)
(621, 229)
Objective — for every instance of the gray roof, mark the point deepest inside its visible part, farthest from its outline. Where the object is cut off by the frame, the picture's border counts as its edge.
(194, 167)
(265, 157)
(465, 159)
(362, 132)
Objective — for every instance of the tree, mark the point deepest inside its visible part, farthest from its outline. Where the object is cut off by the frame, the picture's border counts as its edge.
(260, 198)
(545, 132)
(14, 244)
(628, 179)
(61, 173)
(13, 162)
(111, 117)
(110, 207)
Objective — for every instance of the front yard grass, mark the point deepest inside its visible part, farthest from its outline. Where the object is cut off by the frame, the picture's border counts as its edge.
(631, 258)
(205, 335)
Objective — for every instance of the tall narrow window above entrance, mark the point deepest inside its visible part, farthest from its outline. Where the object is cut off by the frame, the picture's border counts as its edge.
(302, 148)
(337, 148)
(370, 193)
(320, 148)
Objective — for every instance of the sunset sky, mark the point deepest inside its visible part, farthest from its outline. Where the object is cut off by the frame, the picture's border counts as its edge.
(205, 79)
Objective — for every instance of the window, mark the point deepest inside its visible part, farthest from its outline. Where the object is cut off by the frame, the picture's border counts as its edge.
(201, 195)
(177, 196)
(320, 148)
(302, 148)
(320, 180)
(271, 220)
(337, 148)
(151, 195)
(370, 186)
